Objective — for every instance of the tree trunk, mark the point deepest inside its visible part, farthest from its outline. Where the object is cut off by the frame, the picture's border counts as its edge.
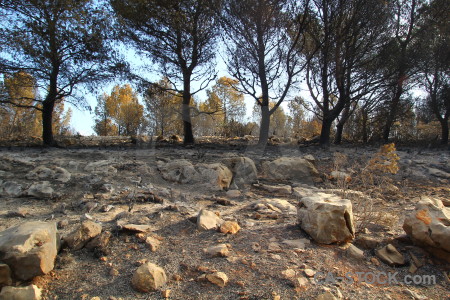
(445, 131)
(325, 132)
(340, 125)
(186, 111)
(47, 122)
(264, 126)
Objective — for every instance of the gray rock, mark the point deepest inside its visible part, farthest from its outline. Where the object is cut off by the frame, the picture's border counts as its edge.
(207, 220)
(291, 168)
(49, 173)
(243, 168)
(327, 218)
(355, 252)
(12, 189)
(278, 189)
(30, 292)
(390, 255)
(100, 167)
(299, 244)
(217, 250)
(148, 277)
(83, 234)
(40, 190)
(29, 249)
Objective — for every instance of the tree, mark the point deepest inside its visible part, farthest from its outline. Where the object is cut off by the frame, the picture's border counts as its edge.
(264, 40)
(398, 55)
(434, 62)
(61, 43)
(343, 40)
(179, 35)
(122, 109)
(224, 107)
(164, 108)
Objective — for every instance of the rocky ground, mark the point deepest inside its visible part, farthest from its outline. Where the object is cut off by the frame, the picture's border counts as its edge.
(146, 200)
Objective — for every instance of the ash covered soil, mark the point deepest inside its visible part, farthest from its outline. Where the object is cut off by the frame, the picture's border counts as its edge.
(122, 185)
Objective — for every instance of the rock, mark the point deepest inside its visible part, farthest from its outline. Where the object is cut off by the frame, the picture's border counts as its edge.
(101, 241)
(218, 278)
(83, 234)
(233, 193)
(355, 252)
(229, 227)
(12, 189)
(390, 255)
(207, 220)
(63, 223)
(243, 169)
(414, 295)
(291, 168)
(368, 242)
(288, 273)
(30, 292)
(327, 218)
(278, 189)
(215, 176)
(282, 205)
(5, 275)
(309, 272)
(29, 249)
(429, 226)
(340, 176)
(326, 296)
(301, 282)
(40, 190)
(100, 167)
(217, 250)
(148, 277)
(137, 227)
(153, 243)
(165, 293)
(299, 244)
(52, 173)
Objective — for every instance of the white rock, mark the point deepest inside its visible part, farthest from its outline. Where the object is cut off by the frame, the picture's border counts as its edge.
(30, 292)
(326, 218)
(12, 188)
(283, 205)
(29, 249)
(207, 220)
(40, 190)
(218, 278)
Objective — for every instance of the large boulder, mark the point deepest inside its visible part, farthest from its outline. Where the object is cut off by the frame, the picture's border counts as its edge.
(326, 218)
(215, 176)
(243, 168)
(291, 168)
(29, 249)
(429, 226)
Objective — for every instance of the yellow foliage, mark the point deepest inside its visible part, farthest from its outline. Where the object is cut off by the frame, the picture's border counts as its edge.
(385, 160)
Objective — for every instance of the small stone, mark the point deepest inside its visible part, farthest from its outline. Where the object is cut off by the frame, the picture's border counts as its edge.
(301, 282)
(230, 227)
(276, 256)
(233, 193)
(288, 273)
(390, 255)
(218, 250)
(375, 261)
(309, 272)
(83, 234)
(106, 208)
(96, 298)
(218, 278)
(153, 243)
(177, 277)
(326, 296)
(274, 247)
(300, 243)
(148, 277)
(355, 252)
(30, 292)
(256, 247)
(207, 220)
(414, 295)
(137, 228)
(412, 269)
